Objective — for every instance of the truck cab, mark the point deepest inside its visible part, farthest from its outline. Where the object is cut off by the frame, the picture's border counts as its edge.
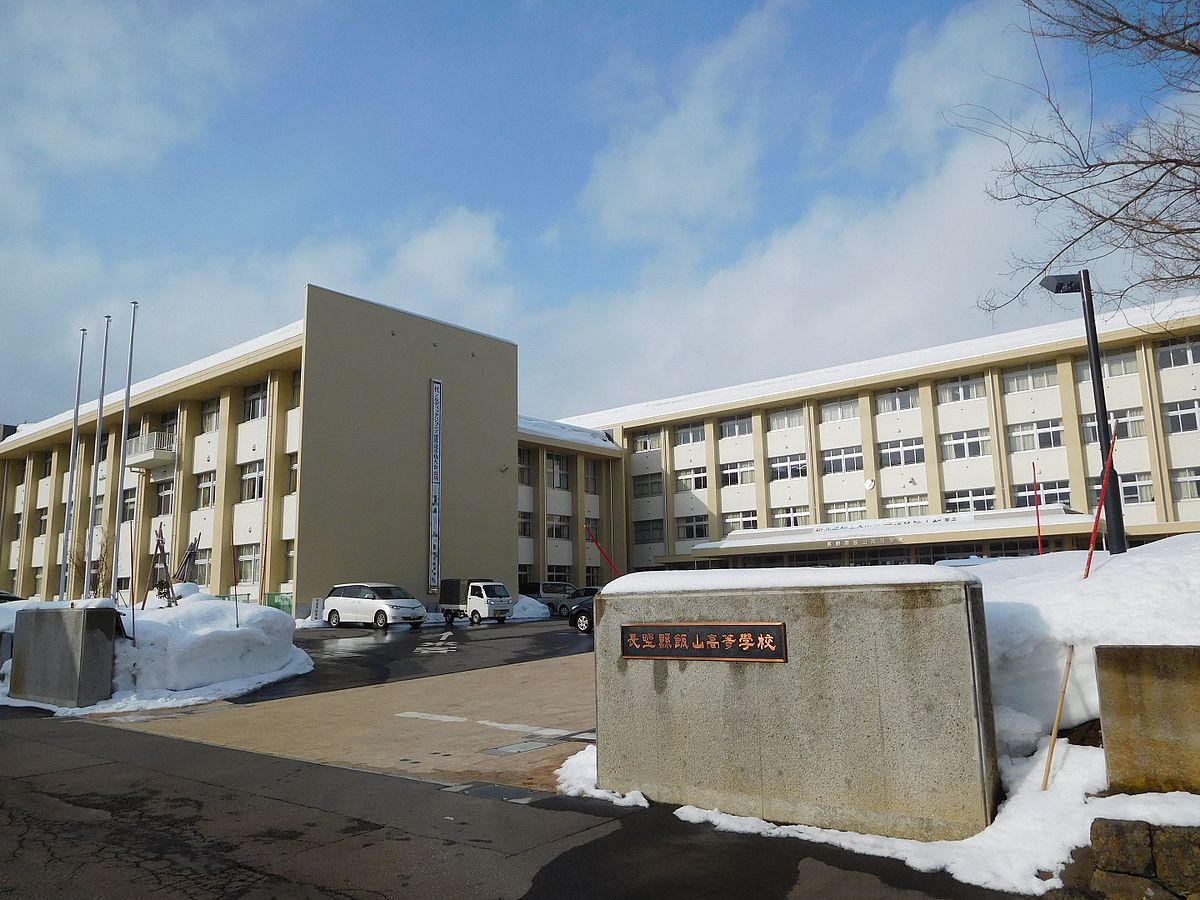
(474, 599)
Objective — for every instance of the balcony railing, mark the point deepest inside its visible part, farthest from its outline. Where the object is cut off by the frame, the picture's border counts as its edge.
(146, 451)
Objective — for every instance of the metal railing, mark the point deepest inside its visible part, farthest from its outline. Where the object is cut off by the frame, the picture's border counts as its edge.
(281, 601)
(149, 443)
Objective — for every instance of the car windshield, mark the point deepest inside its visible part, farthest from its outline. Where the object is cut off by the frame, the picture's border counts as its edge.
(391, 592)
(496, 591)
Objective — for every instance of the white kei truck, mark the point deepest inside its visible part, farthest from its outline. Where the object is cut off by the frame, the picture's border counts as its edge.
(474, 599)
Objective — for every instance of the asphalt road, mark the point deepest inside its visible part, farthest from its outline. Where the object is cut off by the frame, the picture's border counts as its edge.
(97, 812)
(349, 656)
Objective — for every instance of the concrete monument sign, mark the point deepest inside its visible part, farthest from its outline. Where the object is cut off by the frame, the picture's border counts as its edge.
(1149, 710)
(63, 656)
(855, 699)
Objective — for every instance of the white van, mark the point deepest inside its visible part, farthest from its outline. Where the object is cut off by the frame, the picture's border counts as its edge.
(376, 602)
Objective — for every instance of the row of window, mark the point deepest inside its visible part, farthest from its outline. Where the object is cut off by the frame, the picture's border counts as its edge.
(560, 573)
(558, 527)
(558, 471)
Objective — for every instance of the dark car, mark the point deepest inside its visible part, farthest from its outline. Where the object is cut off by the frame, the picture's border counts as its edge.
(575, 599)
(581, 615)
(5, 597)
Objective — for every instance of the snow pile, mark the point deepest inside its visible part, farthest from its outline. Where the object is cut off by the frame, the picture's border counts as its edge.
(1039, 605)
(577, 778)
(530, 608)
(204, 649)
(1035, 608)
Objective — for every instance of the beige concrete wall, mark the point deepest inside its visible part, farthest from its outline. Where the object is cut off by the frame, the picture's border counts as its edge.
(364, 448)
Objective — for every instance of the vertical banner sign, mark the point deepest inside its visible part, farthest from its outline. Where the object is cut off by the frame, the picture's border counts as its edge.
(435, 482)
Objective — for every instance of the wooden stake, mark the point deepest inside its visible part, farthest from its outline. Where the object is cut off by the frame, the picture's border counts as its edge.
(1062, 696)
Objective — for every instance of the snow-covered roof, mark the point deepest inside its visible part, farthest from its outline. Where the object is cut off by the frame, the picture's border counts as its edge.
(1154, 317)
(529, 427)
(883, 532)
(140, 389)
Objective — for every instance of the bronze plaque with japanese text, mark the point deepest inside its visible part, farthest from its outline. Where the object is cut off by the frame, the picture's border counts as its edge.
(722, 641)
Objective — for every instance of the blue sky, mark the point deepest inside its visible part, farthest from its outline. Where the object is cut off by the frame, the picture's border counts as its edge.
(650, 198)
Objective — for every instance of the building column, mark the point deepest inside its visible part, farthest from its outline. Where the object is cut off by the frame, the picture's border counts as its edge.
(7, 468)
(816, 509)
(612, 520)
(762, 502)
(933, 451)
(228, 486)
(540, 536)
(668, 486)
(187, 427)
(1160, 473)
(579, 539)
(712, 465)
(56, 518)
(1072, 431)
(866, 430)
(999, 429)
(621, 492)
(275, 471)
(24, 575)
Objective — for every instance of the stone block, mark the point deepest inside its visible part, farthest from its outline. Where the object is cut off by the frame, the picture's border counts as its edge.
(1149, 706)
(1122, 846)
(63, 657)
(1114, 886)
(5, 647)
(1177, 857)
(880, 720)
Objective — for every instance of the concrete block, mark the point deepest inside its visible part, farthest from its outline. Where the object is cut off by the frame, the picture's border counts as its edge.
(1113, 886)
(1149, 707)
(6, 642)
(1177, 858)
(63, 656)
(1122, 846)
(880, 720)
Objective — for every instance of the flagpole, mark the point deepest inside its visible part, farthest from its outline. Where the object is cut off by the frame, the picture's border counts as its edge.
(121, 443)
(91, 532)
(66, 548)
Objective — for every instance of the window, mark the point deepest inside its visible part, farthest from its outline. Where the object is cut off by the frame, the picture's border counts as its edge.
(690, 433)
(1129, 423)
(690, 528)
(1038, 435)
(791, 466)
(39, 582)
(524, 524)
(647, 440)
(210, 415)
(1030, 377)
(591, 576)
(128, 504)
(252, 481)
(559, 573)
(839, 410)
(524, 466)
(168, 423)
(792, 417)
(43, 522)
(590, 524)
(204, 567)
(649, 531)
(737, 473)
(841, 459)
(591, 476)
(846, 511)
(289, 561)
(966, 444)
(293, 473)
(742, 520)
(558, 527)
(1181, 416)
(1112, 362)
(734, 426)
(98, 508)
(558, 472)
(249, 563)
(16, 526)
(648, 485)
(903, 507)
(1136, 487)
(1048, 492)
(295, 392)
(164, 497)
(691, 480)
(904, 452)
(896, 399)
(977, 499)
(1185, 484)
(47, 464)
(790, 516)
(1178, 352)
(206, 490)
(525, 572)
(254, 401)
(964, 387)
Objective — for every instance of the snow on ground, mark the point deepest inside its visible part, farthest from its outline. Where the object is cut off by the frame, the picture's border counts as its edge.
(577, 778)
(204, 649)
(1035, 608)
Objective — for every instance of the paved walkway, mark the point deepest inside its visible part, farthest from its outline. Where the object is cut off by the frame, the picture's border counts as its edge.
(508, 725)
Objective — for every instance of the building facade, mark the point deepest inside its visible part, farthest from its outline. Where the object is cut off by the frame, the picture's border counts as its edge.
(921, 456)
(305, 458)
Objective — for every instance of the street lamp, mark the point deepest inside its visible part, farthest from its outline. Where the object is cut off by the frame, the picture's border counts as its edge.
(1114, 515)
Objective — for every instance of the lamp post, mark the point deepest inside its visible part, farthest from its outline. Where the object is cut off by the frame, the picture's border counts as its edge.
(1113, 513)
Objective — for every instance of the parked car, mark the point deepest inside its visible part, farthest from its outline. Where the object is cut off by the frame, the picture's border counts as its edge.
(5, 597)
(553, 593)
(575, 599)
(376, 602)
(582, 615)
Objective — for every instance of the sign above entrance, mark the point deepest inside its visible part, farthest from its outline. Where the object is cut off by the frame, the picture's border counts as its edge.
(719, 641)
